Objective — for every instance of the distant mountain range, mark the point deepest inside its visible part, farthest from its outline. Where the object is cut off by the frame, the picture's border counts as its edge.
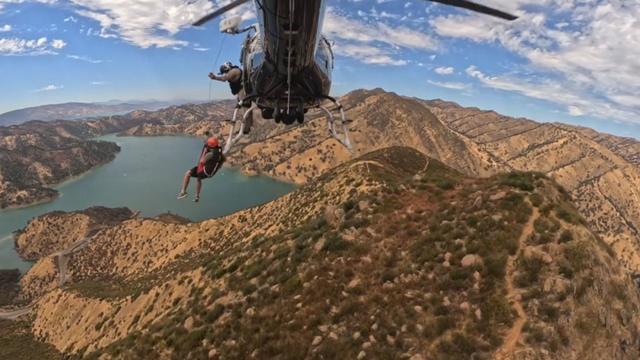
(78, 110)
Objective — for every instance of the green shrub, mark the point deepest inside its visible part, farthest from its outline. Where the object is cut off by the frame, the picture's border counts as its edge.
(348, 205)
(566, 236)
(568, 214)
(445, 184)
(578, 256)
(213, 314)
(335, 243)
(549, 312)
(535, 334)
(519, 180)
(497, 310)
(460, 346)
(529, 271)
(444, 323)
(496, 265)
(536, 199)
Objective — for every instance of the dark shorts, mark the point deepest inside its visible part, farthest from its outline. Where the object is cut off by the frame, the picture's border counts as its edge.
(194, 173)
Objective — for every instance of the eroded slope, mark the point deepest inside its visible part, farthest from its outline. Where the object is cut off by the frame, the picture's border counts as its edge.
(600, 171)
(387, 255)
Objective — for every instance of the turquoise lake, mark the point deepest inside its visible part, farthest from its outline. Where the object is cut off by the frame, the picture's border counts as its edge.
(146, 176)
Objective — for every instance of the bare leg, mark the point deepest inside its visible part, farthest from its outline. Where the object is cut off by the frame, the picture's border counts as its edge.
(198, 188)
(185, 182)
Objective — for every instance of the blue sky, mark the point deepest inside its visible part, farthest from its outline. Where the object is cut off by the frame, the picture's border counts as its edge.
(572, 61)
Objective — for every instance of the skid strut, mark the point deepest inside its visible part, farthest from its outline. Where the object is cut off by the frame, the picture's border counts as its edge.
(234, 136)
(333, 125)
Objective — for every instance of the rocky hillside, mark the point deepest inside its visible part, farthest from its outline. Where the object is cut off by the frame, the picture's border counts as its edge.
(600, 171)
(36, 155)
(17, 343)
(379, 119)
(57, 230)
(389, 255)
(30, 160)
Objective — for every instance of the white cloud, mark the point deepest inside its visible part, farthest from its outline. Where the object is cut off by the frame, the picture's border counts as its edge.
(373, 43)
(368, 54)
(58, 44)
(337, 26)
(574, 110)
(5, 28)
(71, 19)
(587, 56)
(147, 23)
(99, 83)
(444, 70)
(85, 59)
(49, 88)
(31, 47)
(553, 91)
(450, 85)
(5, 2)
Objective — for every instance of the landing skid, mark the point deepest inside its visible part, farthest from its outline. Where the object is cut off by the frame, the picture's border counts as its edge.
(234, 135)
(338, 129)
(334, 126)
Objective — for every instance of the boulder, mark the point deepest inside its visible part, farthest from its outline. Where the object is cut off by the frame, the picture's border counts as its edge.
(188, 323)
(334, 216)
(316, 341)
(471, 260)
(498, 196)
(556, 285)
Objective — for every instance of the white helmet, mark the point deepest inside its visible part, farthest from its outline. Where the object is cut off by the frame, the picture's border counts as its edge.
(226, 67)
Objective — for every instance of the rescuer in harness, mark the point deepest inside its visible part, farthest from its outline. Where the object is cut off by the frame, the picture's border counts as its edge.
(233, 75)
(211, 160)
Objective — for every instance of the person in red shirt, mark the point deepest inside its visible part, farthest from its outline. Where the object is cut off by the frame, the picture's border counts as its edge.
(211, 160)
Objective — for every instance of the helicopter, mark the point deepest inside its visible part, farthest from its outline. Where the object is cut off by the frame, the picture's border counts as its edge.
(287, 63)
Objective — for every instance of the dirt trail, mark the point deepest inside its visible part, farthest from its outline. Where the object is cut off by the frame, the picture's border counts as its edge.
(514, 334)
(63, 258)
(14, 314)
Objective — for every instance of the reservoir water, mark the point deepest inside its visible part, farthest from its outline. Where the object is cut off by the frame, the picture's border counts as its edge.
(146, 176)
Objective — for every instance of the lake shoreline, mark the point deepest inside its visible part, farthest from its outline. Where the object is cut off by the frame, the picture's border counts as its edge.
(73, 178)
(143, 176)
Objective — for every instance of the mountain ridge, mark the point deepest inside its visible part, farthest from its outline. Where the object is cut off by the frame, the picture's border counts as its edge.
(448, 257)
(79, 110)
(600, 171)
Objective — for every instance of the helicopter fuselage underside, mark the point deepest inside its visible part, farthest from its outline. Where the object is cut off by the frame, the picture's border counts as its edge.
(287, 62)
